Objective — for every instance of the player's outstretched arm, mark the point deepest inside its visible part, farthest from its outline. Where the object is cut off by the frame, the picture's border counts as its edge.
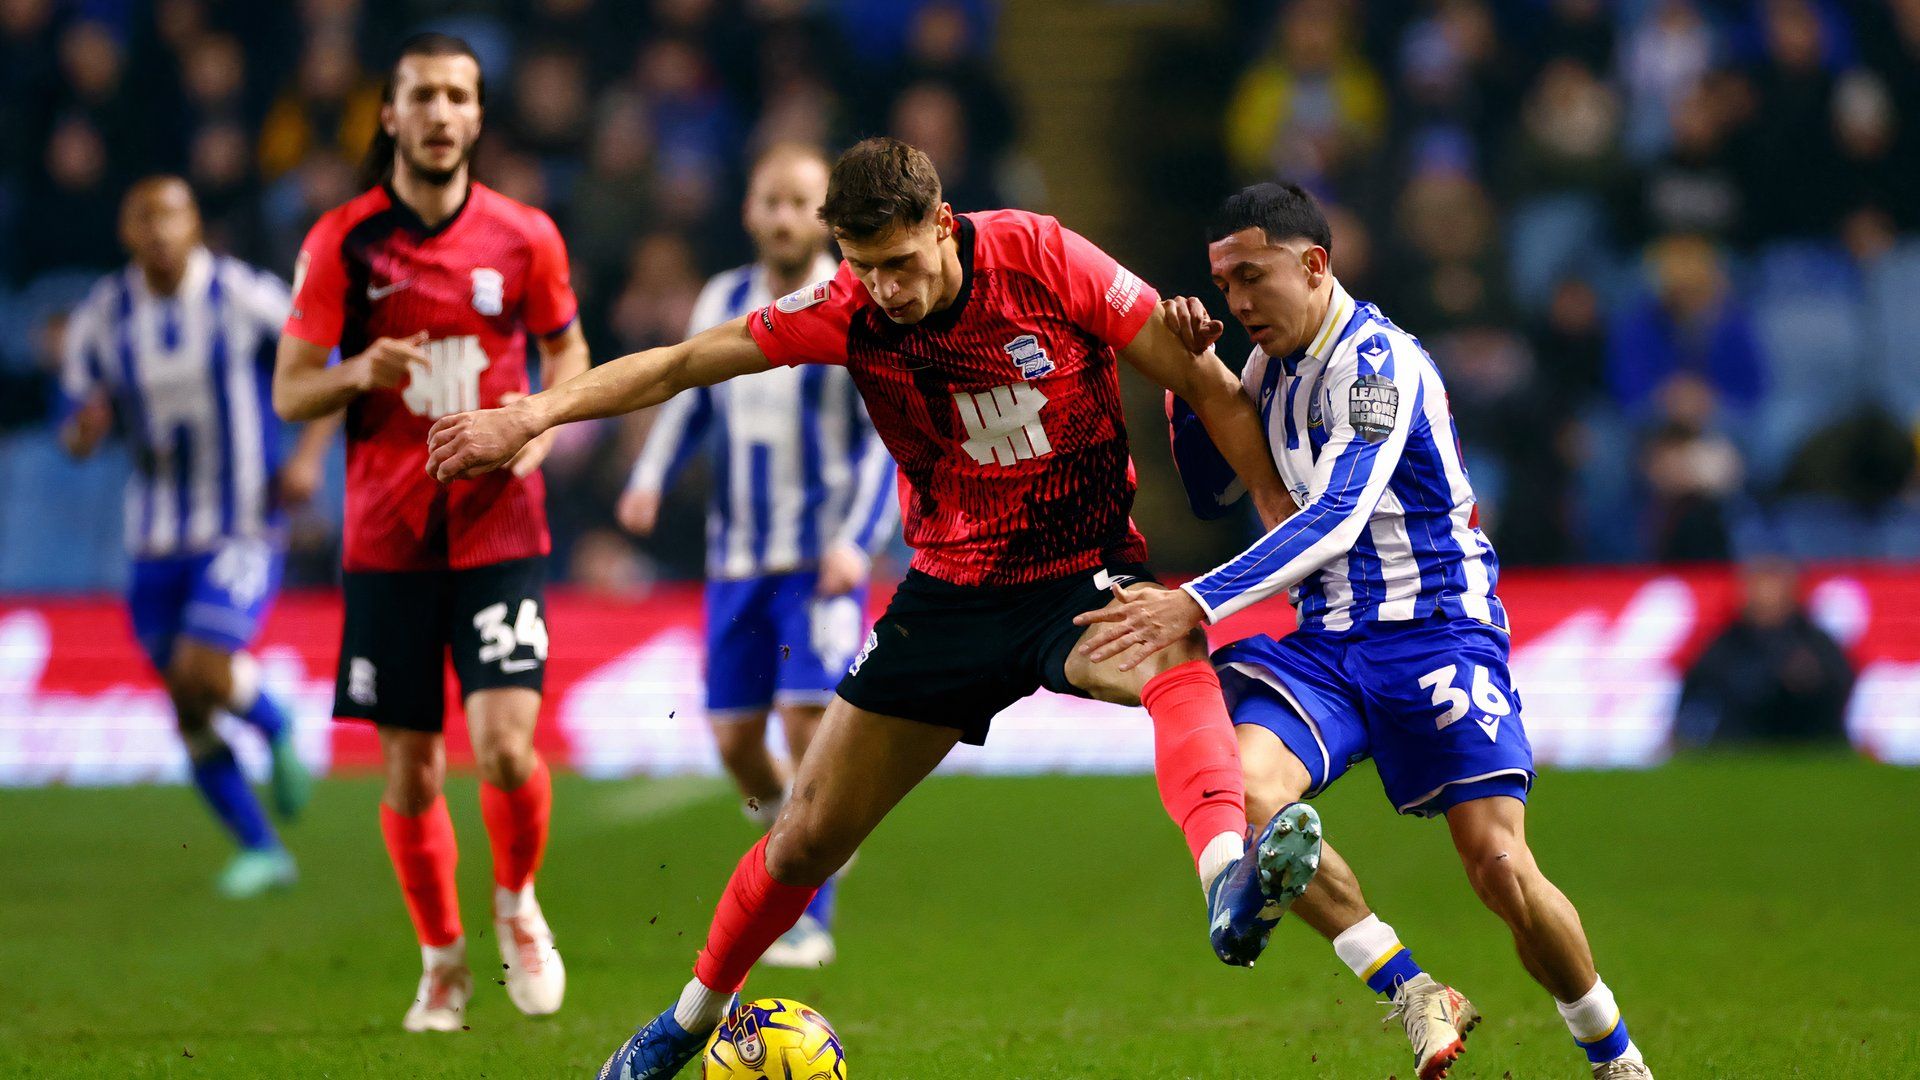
(471, 443)
(1232, 422)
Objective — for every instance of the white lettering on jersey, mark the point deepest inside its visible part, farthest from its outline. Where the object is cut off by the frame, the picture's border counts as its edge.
(449, 382)
(1003, 424)
(489, 291)
(1123, 290)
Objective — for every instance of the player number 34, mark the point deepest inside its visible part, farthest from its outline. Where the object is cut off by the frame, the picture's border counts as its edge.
(1485, 696)
(499, 641)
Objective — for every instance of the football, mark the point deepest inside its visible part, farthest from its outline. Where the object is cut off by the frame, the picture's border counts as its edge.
(774, 1039)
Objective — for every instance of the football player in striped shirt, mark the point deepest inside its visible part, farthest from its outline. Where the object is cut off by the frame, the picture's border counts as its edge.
(1401, 649)
(800, 499)
(178, 349)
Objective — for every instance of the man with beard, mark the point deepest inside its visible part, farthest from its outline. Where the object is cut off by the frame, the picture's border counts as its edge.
(802, 494)
(428, 284)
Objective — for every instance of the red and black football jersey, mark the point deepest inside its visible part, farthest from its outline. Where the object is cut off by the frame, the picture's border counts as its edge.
(1003, 410)
(477, 284)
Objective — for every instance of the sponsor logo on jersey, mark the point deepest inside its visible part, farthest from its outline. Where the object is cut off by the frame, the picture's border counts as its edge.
(801, 299)
(489, 291)
(1124, 290)
(1003, 424)
(1373, 402)
(1028, 356)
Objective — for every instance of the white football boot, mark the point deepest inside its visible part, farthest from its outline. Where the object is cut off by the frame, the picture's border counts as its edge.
(1622, 1069)
(536, 978)
(807, 945)
(1437, 1018)
(446, 985)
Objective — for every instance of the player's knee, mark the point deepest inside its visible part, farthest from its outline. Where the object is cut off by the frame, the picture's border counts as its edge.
(413, 784)
(1495, 872)
(195, 692)
(742, 744)
(799, 852)
(506, 765)
(1270, 786)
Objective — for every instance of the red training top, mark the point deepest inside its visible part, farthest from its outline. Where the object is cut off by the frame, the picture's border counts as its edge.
(1003, 411)
(476, 284)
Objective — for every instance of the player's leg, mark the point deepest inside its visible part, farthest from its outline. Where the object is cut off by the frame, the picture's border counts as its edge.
(158, 600)
(1490, 834)
(228, 605)
(1196, 764)
(1301, 726)
(1448, 739)
(819, 637)
(860, 765)
(499, 639)
(743, 662)
(393, 643)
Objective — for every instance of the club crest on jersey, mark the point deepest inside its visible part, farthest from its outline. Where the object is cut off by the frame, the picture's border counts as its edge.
(489, 291)
(1314, 417)
(801, 299)
(1029, 357)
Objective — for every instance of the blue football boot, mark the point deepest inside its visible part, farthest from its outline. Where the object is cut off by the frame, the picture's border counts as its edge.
(1249, 896)
(659, 1050)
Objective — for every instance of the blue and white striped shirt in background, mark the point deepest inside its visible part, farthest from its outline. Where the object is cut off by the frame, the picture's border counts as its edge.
(190, 378)
(796, 464)
(1362, 436)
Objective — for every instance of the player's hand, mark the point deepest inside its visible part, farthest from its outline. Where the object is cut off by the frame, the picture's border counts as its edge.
(470, 443)
(1187, 317)
(385, 363)
(842, 569)
(638, 511)
(298, 479)
(532, 455)
(88, 426)
(1142, 620)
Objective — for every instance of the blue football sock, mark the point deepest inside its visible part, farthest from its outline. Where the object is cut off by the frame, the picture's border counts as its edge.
(1398, 969)
(217, 774)
(821, 906)
(266, 716)
(1609, 1046)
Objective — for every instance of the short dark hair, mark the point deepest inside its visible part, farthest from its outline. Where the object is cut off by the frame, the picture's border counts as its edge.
(877, 184)
(377, 167)
(1281, 210)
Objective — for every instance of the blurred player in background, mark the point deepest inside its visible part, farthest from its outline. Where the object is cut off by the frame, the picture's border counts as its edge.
(985, 346)
(179, 346)
(1401, 650)
(802, 496)
(429, 284)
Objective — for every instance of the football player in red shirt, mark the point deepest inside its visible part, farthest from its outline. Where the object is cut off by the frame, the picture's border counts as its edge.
(985, 347)
(428, 284)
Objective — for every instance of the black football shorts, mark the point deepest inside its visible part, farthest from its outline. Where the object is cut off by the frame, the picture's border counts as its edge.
(400, 625)
(956, 655)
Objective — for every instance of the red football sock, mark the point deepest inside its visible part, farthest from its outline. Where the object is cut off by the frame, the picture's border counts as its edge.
(753, 912)
(1196, 760)
(517, 826)
(424, 855)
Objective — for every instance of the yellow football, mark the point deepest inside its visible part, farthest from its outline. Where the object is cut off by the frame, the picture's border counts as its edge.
(774, 1039)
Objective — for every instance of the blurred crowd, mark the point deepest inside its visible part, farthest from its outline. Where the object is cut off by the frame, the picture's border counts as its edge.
(629, 122)
(1662, 249)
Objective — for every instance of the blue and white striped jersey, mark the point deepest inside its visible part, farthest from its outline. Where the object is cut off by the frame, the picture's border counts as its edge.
(796, 464)
(1363, 438)
(190, 378)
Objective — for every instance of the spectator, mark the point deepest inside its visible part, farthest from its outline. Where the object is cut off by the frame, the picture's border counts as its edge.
(1794, 195)
(1666, 56)
(1772, 676)
(330, 105)
(1311, 106)
(1697, 185)
(1690, 326)
(931, 116)
(1693, 471)
(1876, 178)
(1568, 136)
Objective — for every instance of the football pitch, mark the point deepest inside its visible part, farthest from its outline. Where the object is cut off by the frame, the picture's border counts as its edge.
(1755, 915)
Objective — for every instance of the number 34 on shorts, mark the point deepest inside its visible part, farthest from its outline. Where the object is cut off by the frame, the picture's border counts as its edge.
(500, 640)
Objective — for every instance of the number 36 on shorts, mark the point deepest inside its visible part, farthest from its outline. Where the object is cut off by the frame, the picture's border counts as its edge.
(1482, 695)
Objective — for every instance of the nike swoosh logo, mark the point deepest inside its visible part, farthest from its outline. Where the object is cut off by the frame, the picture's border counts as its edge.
(384, 291)
(1211, 792)
(514, 667)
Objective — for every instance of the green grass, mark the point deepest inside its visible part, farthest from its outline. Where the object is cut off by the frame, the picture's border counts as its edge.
(1754, 915)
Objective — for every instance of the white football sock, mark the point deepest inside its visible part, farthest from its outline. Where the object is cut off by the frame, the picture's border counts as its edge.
(1219, 854)
(452, 954)
(1594, 1016)
(700, 1009)
(508, 904)
(1364, 944)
